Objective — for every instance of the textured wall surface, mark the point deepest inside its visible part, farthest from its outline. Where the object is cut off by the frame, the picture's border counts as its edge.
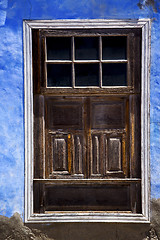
(13, 228)
(12, 13)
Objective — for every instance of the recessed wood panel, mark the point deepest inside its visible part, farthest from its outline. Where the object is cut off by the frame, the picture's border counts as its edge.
(39, 132)
(96, 154)
(108, 115)
(64, 115)
(66, 155)
(109, 197)
(78, 154)
(58, 157)
(114, 155)
(59, 154)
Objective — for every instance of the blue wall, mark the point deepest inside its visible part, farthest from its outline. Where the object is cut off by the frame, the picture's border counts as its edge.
(12, 12)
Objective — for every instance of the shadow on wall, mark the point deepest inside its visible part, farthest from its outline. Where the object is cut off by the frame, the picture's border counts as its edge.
(13, 228)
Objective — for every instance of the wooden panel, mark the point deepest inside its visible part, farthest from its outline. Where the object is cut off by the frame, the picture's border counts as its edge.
(90, 197)
(39, 140)
(135, 136)
(64, 114)
(59, 154)
(38, 197)
(78, 154)
(36, 60)
(113, 196)
(135, 59)
(114, 154)
(92, 152)
(95, 154)
(108, 159)
(135, 193)
(66, 155)
(105, 154)
(108, 115)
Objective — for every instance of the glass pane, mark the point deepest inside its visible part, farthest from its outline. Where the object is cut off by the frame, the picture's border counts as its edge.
(59, 75)
(114, 74)
(58, 48)
(86, 48)
(114, 48)
(87, 75)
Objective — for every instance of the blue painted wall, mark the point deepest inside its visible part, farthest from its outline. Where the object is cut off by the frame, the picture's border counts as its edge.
(12, 12)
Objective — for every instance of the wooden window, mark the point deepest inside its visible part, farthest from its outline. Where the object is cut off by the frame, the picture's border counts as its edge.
(87, 112)
(87, 135)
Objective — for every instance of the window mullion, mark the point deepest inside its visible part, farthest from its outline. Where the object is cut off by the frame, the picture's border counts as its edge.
(73, 59)
(100, 62)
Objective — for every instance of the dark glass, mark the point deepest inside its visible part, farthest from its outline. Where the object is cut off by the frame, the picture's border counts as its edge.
(59, 75)
(114, 48)
(86, 75)
(114, 74)
(58, 48)
(86, 48)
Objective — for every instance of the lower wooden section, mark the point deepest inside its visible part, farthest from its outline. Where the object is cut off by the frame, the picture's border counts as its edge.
(88, 197)
(80, 198)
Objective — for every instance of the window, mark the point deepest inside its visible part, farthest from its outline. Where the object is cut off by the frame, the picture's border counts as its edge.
(89, 146)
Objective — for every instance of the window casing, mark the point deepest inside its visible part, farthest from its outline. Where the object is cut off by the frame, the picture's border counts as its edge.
(87, 124)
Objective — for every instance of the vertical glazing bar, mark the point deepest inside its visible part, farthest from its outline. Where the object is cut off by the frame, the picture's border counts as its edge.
(100, 62)
(73, 58)
(45, 59)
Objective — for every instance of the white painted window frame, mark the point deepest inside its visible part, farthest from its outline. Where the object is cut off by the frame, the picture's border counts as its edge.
(145, 25)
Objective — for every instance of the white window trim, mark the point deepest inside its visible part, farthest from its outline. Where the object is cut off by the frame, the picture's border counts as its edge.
(145, 25)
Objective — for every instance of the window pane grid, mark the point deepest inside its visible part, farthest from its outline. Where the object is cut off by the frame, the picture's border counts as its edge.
(79, 56)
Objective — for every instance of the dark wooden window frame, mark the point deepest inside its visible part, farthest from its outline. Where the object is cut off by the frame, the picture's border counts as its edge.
(130, 91)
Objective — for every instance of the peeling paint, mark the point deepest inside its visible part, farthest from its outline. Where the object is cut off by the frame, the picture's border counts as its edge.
(3, 4)
(2, 17)
(149, 3)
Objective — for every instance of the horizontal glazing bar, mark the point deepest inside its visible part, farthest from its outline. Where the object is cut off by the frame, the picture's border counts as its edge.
(86, 61)
(115, 61)
(58, 61)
